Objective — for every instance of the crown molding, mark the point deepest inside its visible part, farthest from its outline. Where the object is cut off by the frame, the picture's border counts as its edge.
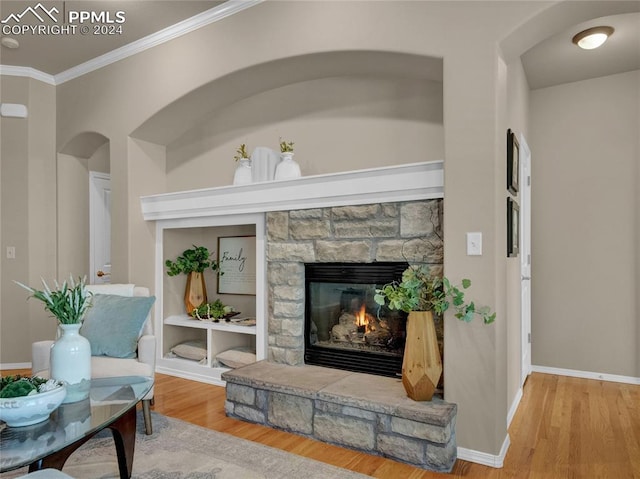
(200, 20)
(27, 72)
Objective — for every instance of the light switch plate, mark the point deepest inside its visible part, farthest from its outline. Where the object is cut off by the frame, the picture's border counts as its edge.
(474, 244)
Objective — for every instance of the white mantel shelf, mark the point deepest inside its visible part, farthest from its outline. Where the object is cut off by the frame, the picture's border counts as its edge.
(409, 182)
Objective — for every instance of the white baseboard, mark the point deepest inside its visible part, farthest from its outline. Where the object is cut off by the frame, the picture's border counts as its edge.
(514, 407)
(484, 458)
(9, 366)
(586, 375)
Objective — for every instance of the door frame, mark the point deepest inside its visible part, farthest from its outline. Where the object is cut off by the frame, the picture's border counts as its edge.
(525, 257)
(95, 202)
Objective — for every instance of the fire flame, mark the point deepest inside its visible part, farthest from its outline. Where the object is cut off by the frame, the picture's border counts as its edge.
(361, 318)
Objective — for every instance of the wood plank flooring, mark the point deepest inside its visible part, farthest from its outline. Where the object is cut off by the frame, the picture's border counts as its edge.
(564, 428)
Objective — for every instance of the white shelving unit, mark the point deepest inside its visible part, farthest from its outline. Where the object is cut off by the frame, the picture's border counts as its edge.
(172, 326)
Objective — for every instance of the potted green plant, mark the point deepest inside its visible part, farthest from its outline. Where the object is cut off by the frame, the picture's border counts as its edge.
(193, 262)
(422, 294)
(70, 355)
(288, 168)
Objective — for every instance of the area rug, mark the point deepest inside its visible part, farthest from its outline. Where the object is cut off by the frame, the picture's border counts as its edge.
(179, 450)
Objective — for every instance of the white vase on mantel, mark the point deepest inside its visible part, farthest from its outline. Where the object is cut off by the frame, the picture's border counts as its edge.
(264, 162)
(242, 175)
(70, 361)
(288, 168)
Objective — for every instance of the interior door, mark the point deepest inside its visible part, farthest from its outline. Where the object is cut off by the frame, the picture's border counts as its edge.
(100, 227)
(525, 255)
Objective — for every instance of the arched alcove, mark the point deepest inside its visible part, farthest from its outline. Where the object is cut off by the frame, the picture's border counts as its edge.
(362, 106)
(86, 152)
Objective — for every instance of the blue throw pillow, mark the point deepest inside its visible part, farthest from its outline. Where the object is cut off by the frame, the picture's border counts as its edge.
(113, 324)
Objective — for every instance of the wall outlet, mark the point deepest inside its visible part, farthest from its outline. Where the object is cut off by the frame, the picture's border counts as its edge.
(11, 252)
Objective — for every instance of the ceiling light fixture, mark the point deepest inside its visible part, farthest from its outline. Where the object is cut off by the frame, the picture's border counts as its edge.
(592, 37)
(10, 42)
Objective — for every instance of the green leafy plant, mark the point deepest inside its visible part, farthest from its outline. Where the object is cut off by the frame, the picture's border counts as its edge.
(215, 310)
(286, 146)
(68, 303)
(241, 153)
(194, 260)
(19, 386)
(421, 291)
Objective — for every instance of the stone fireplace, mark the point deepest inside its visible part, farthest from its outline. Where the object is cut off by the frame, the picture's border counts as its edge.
(365, 234)
(344, 251)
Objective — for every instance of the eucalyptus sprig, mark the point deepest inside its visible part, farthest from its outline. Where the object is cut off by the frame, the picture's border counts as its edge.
(286, 146)
(421, 291)
(241, 153)
(67, 303)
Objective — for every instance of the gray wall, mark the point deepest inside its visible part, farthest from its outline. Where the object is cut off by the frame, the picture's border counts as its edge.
(584, 139)
(28, 213)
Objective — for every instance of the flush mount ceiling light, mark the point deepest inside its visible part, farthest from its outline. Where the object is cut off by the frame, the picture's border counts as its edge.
(592, 37)
(9, 42)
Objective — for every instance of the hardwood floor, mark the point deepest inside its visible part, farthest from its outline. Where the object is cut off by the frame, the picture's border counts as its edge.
(564, 428)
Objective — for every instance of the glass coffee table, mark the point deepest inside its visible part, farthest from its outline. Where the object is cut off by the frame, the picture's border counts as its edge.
(111, 404)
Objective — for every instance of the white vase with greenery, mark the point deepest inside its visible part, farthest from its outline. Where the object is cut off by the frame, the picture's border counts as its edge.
(70, 355)
(288, 168)
(242, 175)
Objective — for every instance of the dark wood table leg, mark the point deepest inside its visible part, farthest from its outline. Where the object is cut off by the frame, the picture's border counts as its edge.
(124, 436)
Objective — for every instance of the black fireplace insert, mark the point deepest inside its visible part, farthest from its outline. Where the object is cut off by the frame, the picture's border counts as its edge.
(344, 327)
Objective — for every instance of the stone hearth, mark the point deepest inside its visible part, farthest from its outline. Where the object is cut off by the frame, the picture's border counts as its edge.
(359, 411)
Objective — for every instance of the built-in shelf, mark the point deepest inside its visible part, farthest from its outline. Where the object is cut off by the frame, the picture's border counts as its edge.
(186, 321)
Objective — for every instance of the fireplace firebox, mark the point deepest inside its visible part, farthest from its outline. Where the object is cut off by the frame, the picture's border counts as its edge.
(344, 327)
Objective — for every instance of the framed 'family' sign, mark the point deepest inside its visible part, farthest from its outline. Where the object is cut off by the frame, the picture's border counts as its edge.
(237, 258)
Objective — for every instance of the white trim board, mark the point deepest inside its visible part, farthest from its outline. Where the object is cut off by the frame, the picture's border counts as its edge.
(409, 182)
(586, 375)
(10, 366)
(514, 406)
(14, 71)
(484, 458)
(207, 17)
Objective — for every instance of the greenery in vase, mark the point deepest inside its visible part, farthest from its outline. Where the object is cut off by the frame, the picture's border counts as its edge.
(241, 153)
(286, 146)
(194, 260)
(67, 303)
(421, 291)
(19, 386)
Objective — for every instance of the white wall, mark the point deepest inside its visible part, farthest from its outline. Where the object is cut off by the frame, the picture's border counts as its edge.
(585, 235)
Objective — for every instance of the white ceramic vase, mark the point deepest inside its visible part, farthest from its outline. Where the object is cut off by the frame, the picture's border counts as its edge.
(70, 358)
(242, 176)
(288, 168)
(263, 164)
